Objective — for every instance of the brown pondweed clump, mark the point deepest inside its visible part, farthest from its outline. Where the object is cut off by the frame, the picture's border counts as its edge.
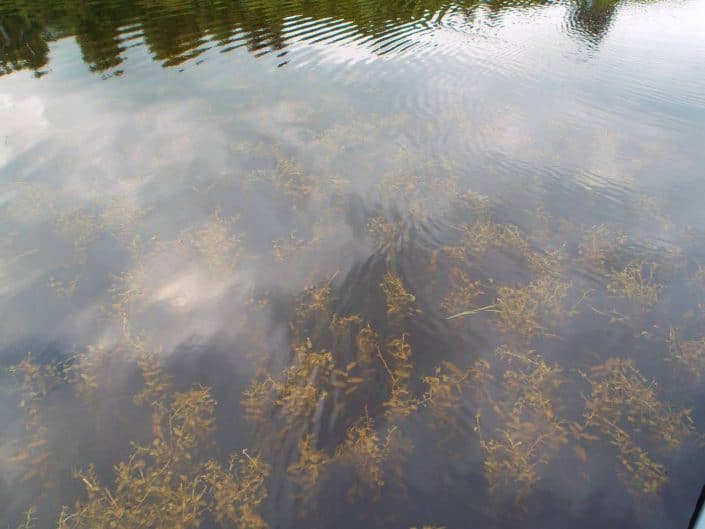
(533, 309)
(400, 302)
(333, 368)
(258, 398)
(444, 390)
(549, 263)
(79, 227)
(529, 429)
(462, 293)
(312, 315)
(622, 403)
(401, 402)
(600, 245)
(296, 183)
(636, 283)
(168, 483)
(366, 452)
(64, 288)
(384, 232)
(216, 241)
(304, 386)
(286, 249)
(484, 235)
(687, 356)
(32, 201)
(309, 469)
(156, 384)
(699, 277)
(237, 491)
(122, 217)
(127, 292)
(33, 454)
(30, 519)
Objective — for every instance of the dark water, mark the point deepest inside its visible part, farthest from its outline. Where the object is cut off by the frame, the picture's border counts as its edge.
(439, 264)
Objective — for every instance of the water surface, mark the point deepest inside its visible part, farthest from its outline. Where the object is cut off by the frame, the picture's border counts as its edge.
(414, 263)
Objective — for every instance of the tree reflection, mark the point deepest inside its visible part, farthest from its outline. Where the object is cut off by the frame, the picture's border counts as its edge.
(179, 30)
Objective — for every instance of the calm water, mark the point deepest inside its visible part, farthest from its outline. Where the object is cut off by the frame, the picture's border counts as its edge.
(413, 263)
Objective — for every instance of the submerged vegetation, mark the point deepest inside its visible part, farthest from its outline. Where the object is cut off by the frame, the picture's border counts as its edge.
(375, 346)
(354, 384)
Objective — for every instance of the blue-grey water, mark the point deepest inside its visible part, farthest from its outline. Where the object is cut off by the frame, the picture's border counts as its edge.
(440, 263)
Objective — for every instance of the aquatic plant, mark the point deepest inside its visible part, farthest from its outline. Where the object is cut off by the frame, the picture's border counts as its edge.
(365, 451)
(599, 247)
(444, 390)
(156, 384)
(127, 290)
(308, 469)
(529, 430)
(64, 288)
(384, 232)
(400, 302)
(216, 241)
(534, 308)
(32, 201)
(687, 356)
(484, 235)
(285, 249)
(636, 283)
(166, 483)
(89, 370)
(401, 402)
(462, 292)
(33, 452)
(80, 228)
(237, 491)
(122, 217)
(30, 517)
(622, 403)
(291, 178)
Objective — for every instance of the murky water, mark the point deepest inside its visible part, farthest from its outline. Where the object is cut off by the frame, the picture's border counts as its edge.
(351, 264)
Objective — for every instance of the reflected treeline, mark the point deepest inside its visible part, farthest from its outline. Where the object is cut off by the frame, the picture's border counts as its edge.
(178, 30)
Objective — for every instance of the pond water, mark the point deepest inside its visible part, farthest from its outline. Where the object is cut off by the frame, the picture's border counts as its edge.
(355, 263)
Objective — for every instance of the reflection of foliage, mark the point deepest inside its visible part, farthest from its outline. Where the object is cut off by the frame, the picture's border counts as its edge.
(24, 42)
(27, 27)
